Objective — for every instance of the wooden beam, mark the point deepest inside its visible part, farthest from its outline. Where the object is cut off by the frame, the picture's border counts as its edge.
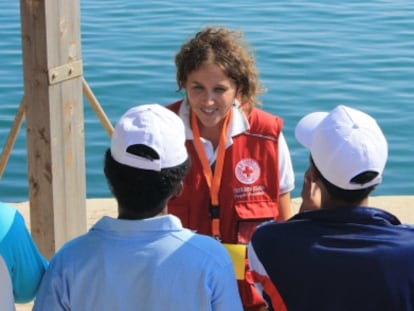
(54, 121)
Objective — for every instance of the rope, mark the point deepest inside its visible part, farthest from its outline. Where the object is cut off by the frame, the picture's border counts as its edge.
(97, 107)
(11, 139)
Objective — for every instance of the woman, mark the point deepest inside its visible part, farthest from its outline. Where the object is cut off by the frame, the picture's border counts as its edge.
(241, 172)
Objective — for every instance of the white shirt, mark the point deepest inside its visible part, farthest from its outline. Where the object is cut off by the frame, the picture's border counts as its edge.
(6, 288)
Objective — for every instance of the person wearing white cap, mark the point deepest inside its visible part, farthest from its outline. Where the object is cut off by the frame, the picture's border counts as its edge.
(343, 255)
(144, 259)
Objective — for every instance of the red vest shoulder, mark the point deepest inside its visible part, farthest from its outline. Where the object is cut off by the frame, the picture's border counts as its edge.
(265, 123)
(175, 106)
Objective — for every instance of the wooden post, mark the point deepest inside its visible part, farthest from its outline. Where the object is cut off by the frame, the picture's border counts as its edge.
(52, 69)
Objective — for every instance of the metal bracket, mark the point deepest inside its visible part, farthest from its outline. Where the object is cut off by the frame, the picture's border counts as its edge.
(65, 72)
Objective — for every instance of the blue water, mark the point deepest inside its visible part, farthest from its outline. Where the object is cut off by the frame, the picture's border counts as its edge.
(312, 55)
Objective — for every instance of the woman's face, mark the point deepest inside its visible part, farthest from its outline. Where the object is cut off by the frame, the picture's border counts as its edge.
(210, 94)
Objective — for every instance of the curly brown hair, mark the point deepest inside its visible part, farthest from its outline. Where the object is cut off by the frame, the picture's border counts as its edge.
(226, 49)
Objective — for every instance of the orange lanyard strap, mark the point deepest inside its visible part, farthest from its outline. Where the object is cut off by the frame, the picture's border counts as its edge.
(213, 181)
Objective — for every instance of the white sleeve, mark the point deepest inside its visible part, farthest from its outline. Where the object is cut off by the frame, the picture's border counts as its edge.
(286, 174)
(6, 288)
(256, 266)
(254, 262)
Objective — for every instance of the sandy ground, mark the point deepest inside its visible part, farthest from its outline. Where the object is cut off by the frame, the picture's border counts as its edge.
(400, 206)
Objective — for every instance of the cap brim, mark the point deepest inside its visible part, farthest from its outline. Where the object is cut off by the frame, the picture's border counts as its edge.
(305, 128)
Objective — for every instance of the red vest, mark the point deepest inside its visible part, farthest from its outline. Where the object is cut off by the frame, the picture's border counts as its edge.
(249, 189)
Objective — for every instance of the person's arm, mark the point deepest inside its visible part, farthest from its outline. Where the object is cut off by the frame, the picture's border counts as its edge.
(285, 209)
(53, 293)
(287, 180)
(224, 291)
(27, 263)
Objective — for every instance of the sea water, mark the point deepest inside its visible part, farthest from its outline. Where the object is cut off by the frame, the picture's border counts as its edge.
(311, 55)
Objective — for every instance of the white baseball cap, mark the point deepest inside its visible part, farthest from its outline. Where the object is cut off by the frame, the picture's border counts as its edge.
(154, 126)
(344, 143)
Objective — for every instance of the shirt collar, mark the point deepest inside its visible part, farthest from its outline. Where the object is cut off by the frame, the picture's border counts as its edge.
(360, 214)
(238, 124)
(125, 226)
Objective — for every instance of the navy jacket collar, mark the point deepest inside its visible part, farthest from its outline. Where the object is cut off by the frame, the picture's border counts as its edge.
(359, 214)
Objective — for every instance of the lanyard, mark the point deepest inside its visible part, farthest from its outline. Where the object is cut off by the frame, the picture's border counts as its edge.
(213, 181)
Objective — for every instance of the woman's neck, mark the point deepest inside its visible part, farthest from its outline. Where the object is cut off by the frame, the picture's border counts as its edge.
(211, 133)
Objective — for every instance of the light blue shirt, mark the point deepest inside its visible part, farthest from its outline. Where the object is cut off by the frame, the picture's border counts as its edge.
(151, 264)
(23, 260)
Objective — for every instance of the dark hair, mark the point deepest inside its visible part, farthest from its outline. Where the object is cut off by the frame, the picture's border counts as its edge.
(349, 196)
(139, 190)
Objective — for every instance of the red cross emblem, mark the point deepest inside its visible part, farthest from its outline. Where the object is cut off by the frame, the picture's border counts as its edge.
(247, 171)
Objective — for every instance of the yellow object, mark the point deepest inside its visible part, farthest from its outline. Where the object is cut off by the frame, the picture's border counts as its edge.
(238, 256)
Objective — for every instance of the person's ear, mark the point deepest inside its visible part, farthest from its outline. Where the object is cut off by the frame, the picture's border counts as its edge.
(313, 176)
(179, 190)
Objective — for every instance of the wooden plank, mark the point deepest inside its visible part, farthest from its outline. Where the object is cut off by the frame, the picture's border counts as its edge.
(54, 122)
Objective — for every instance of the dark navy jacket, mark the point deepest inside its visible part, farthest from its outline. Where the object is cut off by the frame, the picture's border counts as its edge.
(356, 258)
